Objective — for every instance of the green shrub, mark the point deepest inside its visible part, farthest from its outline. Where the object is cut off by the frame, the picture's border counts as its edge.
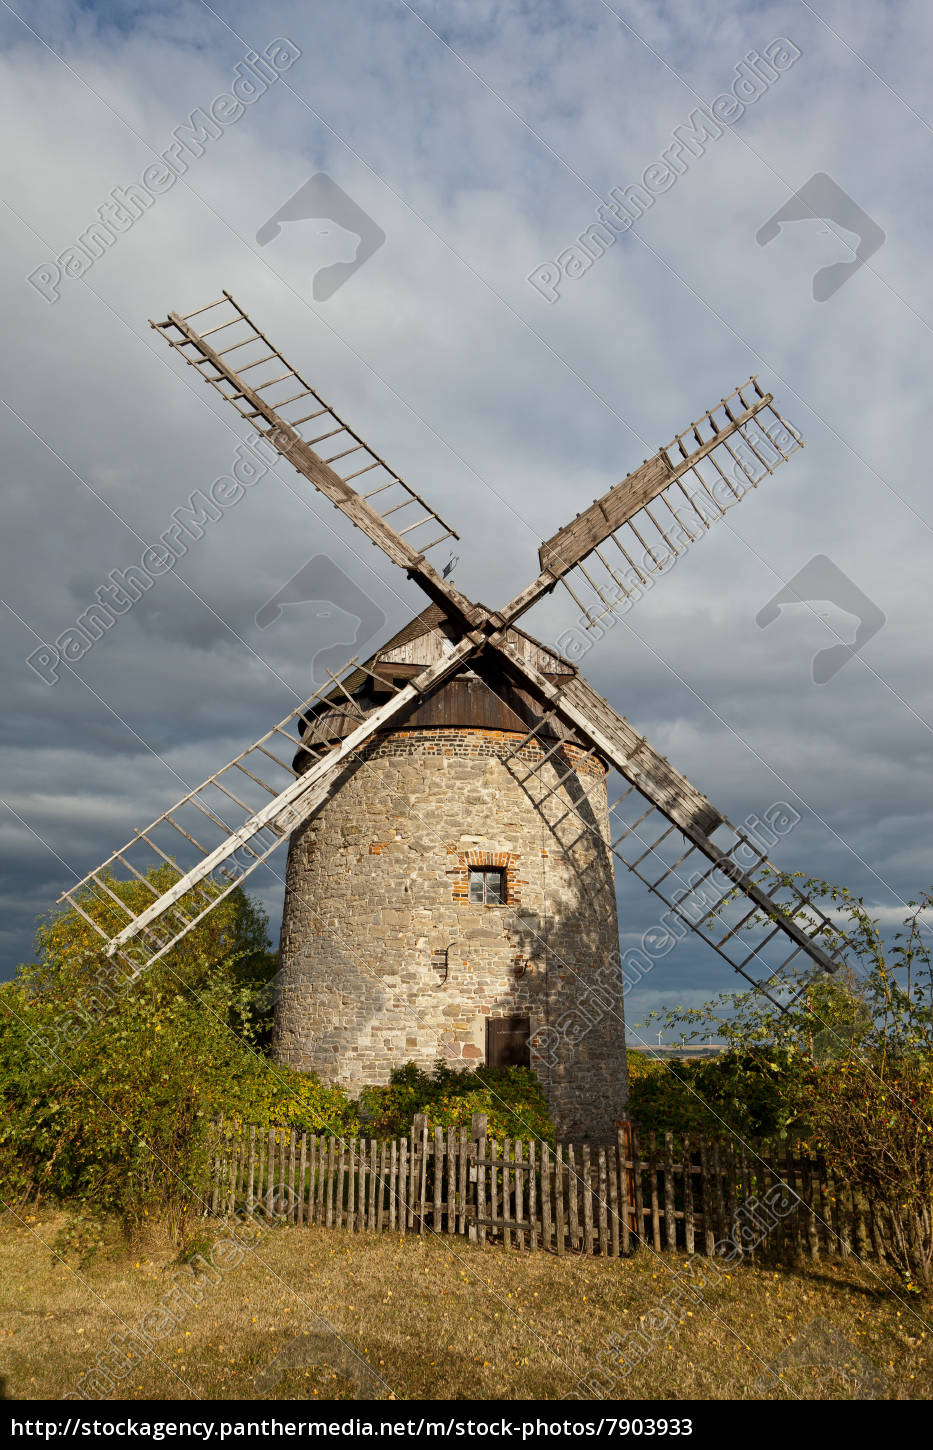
(757, 1092)
(848, 1064)
(109, 1086)
(511, 1098)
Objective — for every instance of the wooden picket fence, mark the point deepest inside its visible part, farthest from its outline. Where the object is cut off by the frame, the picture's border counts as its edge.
(659, 1190)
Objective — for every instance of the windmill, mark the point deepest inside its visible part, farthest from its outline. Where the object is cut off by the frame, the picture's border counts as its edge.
(449, 887)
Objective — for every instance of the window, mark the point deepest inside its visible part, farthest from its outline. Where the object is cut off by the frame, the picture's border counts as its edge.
(487, 887)
(507, 1042)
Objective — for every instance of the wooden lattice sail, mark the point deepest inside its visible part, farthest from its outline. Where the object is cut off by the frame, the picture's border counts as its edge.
(712, 877)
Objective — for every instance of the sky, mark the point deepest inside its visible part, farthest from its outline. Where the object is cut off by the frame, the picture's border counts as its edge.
(505, 380)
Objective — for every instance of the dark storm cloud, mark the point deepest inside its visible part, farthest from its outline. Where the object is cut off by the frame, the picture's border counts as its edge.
(509, 415)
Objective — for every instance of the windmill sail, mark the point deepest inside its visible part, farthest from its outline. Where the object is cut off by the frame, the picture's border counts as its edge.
(611, 551)
(242, 365)
(711, 877)
(217, 835)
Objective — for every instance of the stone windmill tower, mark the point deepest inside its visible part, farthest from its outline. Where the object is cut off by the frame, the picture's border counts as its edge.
(455, 804)
(446, 902)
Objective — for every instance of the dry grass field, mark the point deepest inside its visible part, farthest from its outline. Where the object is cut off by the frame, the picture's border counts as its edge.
(312, 1313)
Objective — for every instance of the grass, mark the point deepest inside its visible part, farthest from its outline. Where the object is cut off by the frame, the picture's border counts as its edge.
(430, 1318)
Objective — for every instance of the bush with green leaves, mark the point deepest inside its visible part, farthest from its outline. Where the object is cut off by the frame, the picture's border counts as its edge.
(848, 1065)
(109, 1083)
(510, 1097)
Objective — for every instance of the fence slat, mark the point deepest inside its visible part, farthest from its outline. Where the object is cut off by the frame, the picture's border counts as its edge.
(375, 1186)
(507, 1213)
(653, 1190)
(239, 1186)
(532, 1196)
(330, 1181)
(733, 1185)
(559, 1196)
(478, 1175)
(862, 1245)
(825, 1226)
(603, 1178)
(341, 1191)
(546, 1197)
(706, 1187)
(670, 1217)
(381, 1201)
(438, 1179)
(721, 1227)
(316, 1173)
(359, 1169)
(615, 1223)
(587, 1201)
(640, 1225)
(772, 1177)
(217, 1148)
(251, 1172)
(626, 1206)
(423, 1175)
(321, 1180)
(302, 1170)
(403, 1172)
(809, 1187)
(573, 1183)
(520, 1177)
(451, 1199)
(393, 1182)
(268, 1196)
(236, 1169)
(410, 1180)
(689, 1228)
(464, 1180)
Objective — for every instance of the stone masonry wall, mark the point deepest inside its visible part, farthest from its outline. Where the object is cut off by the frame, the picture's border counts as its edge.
(385, 959)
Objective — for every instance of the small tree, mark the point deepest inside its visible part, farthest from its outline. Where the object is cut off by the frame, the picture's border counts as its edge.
(109, 1083)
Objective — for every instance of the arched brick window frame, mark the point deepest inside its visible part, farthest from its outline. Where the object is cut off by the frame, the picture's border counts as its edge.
(506, 861)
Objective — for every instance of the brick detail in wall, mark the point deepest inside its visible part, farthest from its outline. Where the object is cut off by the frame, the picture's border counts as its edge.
(476, 744)
(507, 861)
(377, 895)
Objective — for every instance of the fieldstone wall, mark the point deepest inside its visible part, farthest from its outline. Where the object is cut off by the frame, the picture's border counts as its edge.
(385, 959)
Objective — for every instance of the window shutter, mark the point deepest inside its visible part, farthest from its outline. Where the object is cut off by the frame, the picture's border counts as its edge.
(507, 1042)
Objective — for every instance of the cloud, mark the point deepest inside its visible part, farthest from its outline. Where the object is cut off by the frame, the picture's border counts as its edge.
(510, 416)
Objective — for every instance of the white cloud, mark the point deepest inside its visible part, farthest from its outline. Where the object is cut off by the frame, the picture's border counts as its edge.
(509, 415)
